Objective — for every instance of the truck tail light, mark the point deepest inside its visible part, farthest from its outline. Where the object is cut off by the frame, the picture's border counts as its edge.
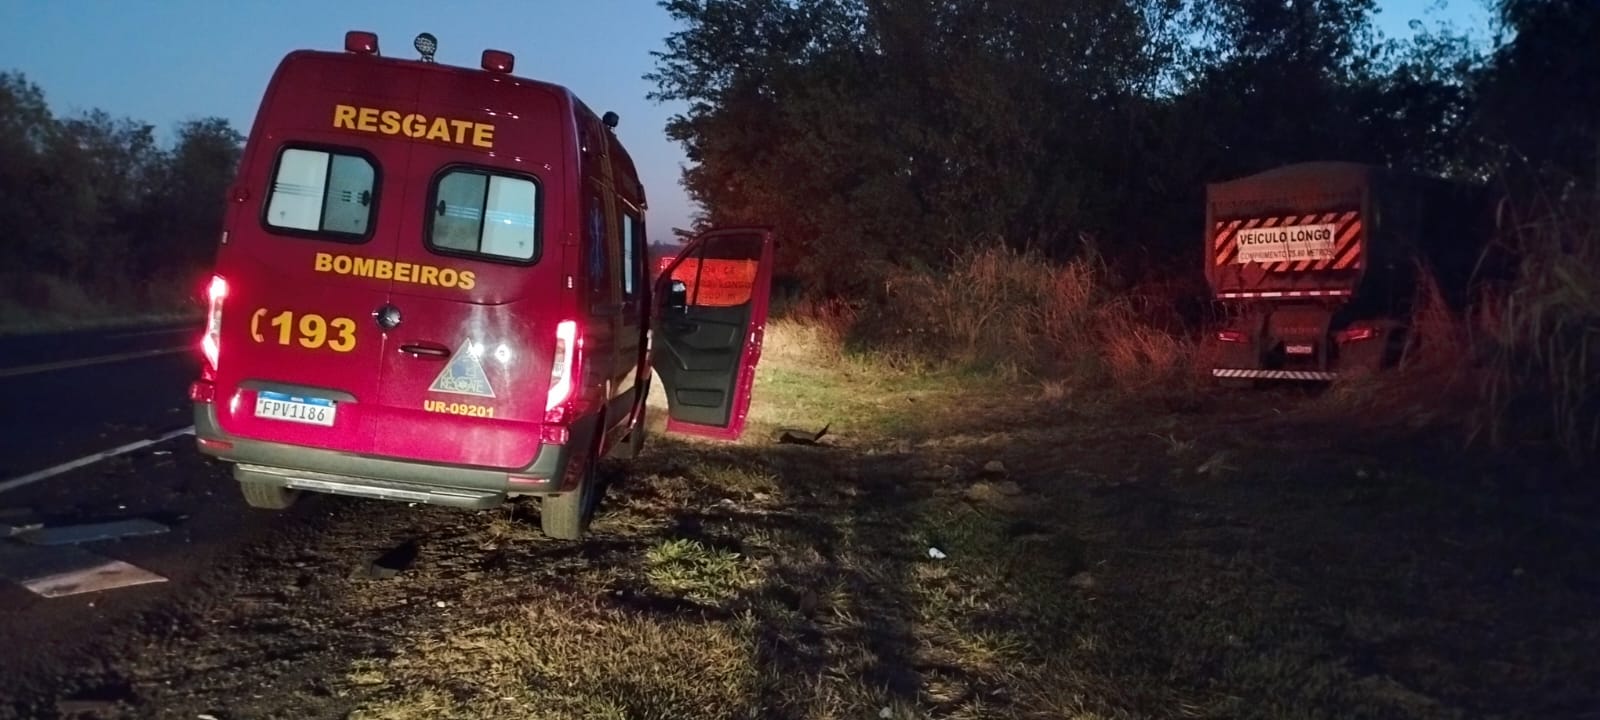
(563, 366)
(1232, 336)
(211, 343)
(1356, 334)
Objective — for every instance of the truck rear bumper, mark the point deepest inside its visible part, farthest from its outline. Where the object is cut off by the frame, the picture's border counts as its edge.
(385, 478)
(1309, 375)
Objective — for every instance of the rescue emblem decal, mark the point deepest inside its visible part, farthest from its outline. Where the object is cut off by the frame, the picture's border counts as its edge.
(464, 374)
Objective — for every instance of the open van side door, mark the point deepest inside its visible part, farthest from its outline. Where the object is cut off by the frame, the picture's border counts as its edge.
(709, 318)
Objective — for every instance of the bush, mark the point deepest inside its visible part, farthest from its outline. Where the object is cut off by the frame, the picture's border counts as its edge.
(39, 302)
(1519, 368)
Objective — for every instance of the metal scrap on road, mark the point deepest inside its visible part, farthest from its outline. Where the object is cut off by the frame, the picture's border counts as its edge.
(60, 571)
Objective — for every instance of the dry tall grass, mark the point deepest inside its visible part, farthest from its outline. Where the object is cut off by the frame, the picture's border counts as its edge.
(1542, 338)
(1519, 366)
(1015, 314)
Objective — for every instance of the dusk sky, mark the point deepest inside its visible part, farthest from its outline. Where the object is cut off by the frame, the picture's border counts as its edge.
(165, 61)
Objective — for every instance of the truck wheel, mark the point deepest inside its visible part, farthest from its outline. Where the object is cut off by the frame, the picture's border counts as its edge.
(566, 516)
(267, 497)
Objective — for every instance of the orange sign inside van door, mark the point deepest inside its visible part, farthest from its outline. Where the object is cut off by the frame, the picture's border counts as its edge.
(716, 282)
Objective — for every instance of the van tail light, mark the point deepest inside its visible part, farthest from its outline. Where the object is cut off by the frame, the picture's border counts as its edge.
(203, 391)
(1357, 334)
(1231, 336)
(211, 343)
(563, 367)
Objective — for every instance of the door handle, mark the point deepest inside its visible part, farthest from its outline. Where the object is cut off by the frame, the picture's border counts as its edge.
(425, 350)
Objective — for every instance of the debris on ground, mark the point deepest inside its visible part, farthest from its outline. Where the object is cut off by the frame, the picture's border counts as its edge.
(93, 532)
(1217, 464)
(795, 436)
(55, 571)
(391, 563)
(994, 468)
(1001, 496)
(15, 521)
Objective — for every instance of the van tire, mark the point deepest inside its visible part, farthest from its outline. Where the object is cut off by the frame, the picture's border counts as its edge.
(267, 497)
(566, 516)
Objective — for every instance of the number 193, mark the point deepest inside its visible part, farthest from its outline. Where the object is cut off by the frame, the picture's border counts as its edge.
(309, 330)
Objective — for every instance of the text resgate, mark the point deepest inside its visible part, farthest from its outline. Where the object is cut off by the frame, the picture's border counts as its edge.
(413, 125)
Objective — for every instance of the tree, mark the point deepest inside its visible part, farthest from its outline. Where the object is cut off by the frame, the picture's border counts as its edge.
(1539, 95)
(884, 133)
(94, 203)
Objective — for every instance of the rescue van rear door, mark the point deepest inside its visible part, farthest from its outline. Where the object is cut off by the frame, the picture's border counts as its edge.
(710, 320)
(308, 275)
(478, 267)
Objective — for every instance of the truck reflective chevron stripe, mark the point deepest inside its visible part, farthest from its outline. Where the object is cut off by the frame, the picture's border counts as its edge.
(1344, 253)
(1284, 294)
(1273, 374)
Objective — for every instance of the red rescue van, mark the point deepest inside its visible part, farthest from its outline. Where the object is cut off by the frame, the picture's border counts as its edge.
(431, 286)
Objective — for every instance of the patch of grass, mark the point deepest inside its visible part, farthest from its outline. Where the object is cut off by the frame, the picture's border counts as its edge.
(739, 478)
(1257, 557)
(688, 568)
(579, 661)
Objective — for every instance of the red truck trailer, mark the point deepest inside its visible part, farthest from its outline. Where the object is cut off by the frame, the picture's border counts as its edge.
(1319, 262)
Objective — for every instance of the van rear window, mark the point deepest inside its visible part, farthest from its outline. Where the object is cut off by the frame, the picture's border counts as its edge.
(322, 192)
(485, 214)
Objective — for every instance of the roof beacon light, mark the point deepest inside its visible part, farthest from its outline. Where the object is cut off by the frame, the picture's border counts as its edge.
(498, 61)
(357, 41)
(426, 44)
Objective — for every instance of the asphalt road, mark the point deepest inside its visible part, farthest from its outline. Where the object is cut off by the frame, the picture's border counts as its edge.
(66, 396)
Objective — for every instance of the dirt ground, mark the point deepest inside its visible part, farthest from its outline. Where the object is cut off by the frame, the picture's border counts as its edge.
(953, 547)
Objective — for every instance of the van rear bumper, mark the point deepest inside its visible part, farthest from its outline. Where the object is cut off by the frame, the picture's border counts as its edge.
(385, 478)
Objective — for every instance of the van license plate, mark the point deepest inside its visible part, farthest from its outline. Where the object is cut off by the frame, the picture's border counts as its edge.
(294, 408)
(1300, 349)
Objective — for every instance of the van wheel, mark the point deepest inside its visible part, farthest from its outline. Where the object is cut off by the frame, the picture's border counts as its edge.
(267, 497)
(566, 516)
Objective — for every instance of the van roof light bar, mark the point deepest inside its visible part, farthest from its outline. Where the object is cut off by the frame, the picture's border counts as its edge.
(498, 61)
(361, 42)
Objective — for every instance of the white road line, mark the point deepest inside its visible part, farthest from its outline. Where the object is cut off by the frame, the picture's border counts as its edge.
(84, 362)
(34, 477)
